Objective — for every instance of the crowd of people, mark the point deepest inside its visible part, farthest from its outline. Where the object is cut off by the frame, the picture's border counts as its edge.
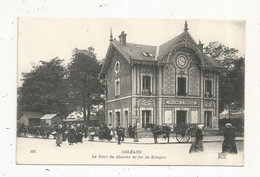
(74, 133)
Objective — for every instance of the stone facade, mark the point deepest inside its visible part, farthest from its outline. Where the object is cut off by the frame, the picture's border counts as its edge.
(173, 84)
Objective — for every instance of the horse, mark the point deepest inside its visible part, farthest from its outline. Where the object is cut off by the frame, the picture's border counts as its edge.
(159, 130)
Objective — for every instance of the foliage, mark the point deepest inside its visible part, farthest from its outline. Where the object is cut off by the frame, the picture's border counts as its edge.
(85, 89)
(43, 89)
(231, 86)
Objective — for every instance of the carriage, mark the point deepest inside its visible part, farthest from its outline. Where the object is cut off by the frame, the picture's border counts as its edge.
(183, 133)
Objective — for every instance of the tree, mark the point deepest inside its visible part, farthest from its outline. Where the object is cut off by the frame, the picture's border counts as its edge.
(85, 87)
(43, 89)
(231, 86)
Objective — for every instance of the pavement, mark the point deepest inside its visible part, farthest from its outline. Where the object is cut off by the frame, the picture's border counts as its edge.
(145, 152)
(206, 139)
(148, 140)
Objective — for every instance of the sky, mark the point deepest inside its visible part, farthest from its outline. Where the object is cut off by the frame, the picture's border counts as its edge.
(47, 38)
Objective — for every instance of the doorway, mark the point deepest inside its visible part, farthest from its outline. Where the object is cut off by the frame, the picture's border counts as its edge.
(208, 119)
(146, 118)
(181, 118)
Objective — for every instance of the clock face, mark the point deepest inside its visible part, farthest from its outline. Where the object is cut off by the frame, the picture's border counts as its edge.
(182, 61)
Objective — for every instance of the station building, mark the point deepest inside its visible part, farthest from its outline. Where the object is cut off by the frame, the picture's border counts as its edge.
(172, 84)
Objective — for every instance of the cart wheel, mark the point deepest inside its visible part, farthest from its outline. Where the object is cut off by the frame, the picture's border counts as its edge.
(190, 134)
(180, 138)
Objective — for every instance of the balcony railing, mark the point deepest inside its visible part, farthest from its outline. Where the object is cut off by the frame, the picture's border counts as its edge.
(181, 94)
(208, 95)
(146, 92)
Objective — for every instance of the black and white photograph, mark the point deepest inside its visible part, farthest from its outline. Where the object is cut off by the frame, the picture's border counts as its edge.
(106, 91)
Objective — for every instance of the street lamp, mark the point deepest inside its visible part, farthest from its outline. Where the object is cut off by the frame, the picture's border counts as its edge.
(136, 115)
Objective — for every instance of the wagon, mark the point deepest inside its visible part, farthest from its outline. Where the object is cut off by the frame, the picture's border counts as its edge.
(185, 133)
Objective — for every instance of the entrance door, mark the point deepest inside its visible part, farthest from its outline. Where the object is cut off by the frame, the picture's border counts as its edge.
(181, 118)
(146, 117)
(118, 118)
(208, 119)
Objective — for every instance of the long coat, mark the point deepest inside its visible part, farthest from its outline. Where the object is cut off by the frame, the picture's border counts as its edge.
(109, 133)
(72, 136)
(229, 143)
(79, 134)
(197, 145)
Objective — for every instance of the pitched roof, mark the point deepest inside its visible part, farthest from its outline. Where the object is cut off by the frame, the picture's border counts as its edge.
(167, 46)
(144, 53)
(136, 51)
(35, 115)
(48, 116)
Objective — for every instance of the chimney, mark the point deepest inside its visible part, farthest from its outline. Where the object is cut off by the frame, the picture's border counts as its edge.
(122, 38)
(200, 45)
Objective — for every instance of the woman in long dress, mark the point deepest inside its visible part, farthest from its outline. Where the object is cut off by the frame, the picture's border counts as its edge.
(59, 132)
(229, 143)
(197, 145)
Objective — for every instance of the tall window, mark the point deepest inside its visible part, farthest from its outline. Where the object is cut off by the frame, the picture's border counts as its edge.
(181, 86)
(146, 88)
(118, 121)
(126, 119)
(208, 118)
(117, 87)
(110, 118)
(208, 88)
(146, 117)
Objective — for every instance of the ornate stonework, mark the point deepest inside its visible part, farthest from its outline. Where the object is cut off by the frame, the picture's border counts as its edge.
(181, 102)
(146, 69)
(146, 102)
(209, 104)
(194, 86)
(208, 75)
(169, 80)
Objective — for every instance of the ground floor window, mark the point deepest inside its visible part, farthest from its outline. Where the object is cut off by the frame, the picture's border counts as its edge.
(110, 118)
(118, 119)
(146, 118)
(208, 118)
(126, 119)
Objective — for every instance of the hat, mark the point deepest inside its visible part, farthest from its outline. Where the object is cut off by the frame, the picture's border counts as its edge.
(200, 126)
(228, 125)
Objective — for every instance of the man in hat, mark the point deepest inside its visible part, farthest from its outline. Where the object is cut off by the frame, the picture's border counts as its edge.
(119, 131)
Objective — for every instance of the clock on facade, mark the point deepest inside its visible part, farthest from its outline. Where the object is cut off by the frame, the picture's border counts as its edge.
(182, 61)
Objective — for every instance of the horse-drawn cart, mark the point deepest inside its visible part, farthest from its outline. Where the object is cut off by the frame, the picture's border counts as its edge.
(184, 133)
